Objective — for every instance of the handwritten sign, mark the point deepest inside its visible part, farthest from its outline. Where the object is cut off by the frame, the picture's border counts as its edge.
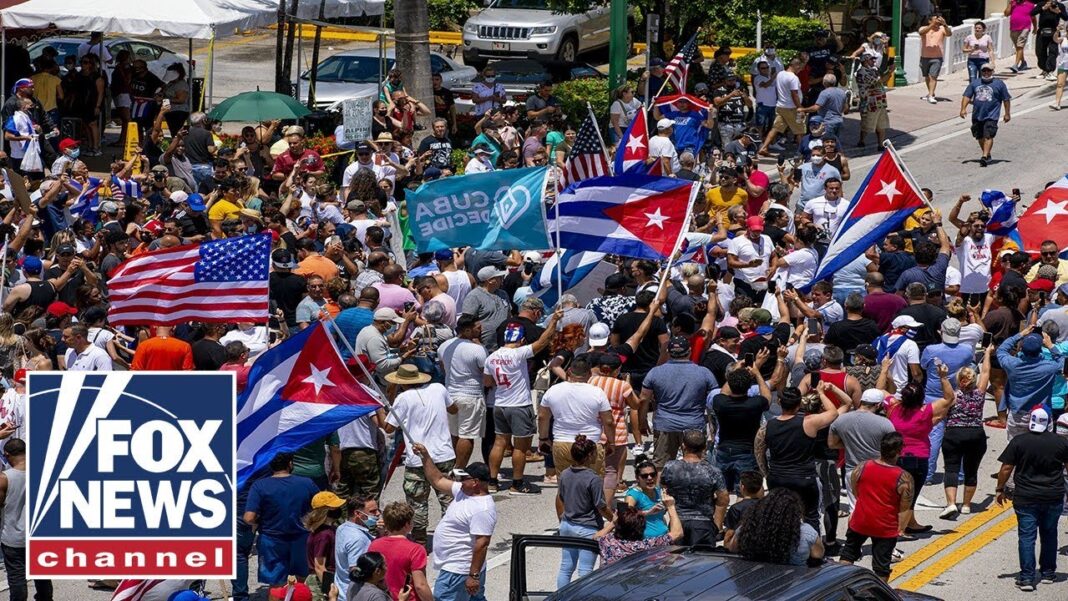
(356, 115)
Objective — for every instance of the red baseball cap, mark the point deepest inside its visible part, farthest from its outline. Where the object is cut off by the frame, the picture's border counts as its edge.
(67, 143)
(301, 592)
(755, 223)
(20, 376)
(60, 308)
(1041, 285)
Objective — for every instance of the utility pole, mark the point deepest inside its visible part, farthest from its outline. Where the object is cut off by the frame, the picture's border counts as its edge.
(618, 49)
(899, 46)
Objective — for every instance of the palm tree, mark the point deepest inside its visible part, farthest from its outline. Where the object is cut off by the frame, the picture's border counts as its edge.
(412, 30)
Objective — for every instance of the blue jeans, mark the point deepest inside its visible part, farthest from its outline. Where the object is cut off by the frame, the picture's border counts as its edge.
(732, 464)
(245, 539)
(831, 131)
(574, 557)
(936, 447)
(450, 587)
(973, 68)
(202, 172)
(1038, 520)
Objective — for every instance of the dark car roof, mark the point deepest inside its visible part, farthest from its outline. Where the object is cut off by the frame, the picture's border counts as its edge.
(557, 70)
(679, 574)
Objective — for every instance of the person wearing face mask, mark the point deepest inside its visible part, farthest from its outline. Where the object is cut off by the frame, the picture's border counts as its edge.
(68, 153)
(275, 507)
(353, 537)
(487, 94)
(813, 176)
(875, 46)
(176, 93)
(771, 57)
(988, 97)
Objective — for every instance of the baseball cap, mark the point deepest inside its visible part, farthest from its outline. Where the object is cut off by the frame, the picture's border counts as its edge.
(31, 264)
(905, 321)
(871, 396)
(986, 67)
(443, 254)
(867, 351)
(431, 173)
(679, 346)
(755, 223)
(364, 148)
(293, 129)
(195, 202)
(489, 272)
(1031, 345)
(1063, 289)
(387, 314)
(728, 333)
(533, 256)
(1039, 421)
(665, 124)
(1062, 421)
(701, 87)
(813, 359)
(951, 330)
(481, 149)
(478, 470)
(20, 375)
(60, 308)
(761, 316)
(65, 249)
(109, 207)
(301, 592)
(513, 332)
(326, 499)
(656, 62)
(1041, 285)
(159, 169)
(67, 143)
(599, 334)
(178, 197)
(283, 259)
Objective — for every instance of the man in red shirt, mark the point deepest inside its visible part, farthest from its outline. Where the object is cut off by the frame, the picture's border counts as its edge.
(163, 353)
(309, 160)
(404, 557)
(884, 495)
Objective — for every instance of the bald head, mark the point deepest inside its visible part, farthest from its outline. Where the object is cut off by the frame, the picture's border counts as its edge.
(369, 297)
(393, 274)
(874, 279)
(378, 261)
(695, 284)
(169, 241)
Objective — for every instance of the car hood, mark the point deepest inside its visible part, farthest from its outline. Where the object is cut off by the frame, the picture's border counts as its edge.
(334, 92)
(517, 17)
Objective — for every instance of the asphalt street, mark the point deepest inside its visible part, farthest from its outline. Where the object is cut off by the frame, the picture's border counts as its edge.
(974, 554)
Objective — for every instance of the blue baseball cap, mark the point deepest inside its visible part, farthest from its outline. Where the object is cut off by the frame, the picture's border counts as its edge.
(196, 202)
(32, 264)
(186, 596)
(513, 332)
(443, 254)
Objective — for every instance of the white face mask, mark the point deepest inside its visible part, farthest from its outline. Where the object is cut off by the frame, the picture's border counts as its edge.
(769, 52)
(817, 160)
(490, 79)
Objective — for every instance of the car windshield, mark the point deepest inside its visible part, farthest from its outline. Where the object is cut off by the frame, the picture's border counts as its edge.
(349, 69)
(526, 73)
(523, 4)
(63, 48)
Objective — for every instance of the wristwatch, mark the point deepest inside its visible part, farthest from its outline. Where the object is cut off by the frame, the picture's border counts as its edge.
(475, 576)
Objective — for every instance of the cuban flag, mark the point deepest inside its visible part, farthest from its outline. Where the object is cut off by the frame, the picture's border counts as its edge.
(1002, 212)
(123, 188)
(297, 393)
(695, 102)
(577, 266)
(692, 253)
(88, 201)
(638, 216)
(884, 200)
(633, 149)
(1046, 219)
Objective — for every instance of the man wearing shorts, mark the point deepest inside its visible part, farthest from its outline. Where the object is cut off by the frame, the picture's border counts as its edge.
(788, 100)
(464, 358)
(932, 51)
(1021, 23)
(873, 116)
(988, 96)
(513, 412)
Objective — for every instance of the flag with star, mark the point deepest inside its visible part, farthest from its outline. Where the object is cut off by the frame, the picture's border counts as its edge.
(633, 149)
(587, 156)
(298, 392)
(638, 216)
(1046, 219)
(885, 198)
(218, 281)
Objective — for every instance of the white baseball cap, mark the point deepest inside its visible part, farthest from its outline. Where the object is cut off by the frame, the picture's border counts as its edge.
(1039, 421)
(905, 321)
(489, 272)
(599, 334)
(873, 396)
(665, 124)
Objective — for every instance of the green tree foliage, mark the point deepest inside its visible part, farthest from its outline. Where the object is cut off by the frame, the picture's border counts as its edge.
(573, 96)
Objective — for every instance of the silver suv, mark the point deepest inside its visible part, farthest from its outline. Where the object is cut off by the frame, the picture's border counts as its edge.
(528, 28)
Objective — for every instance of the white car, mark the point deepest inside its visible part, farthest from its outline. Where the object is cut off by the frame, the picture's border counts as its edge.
(158, 58)
(355, 74)
(530, 29)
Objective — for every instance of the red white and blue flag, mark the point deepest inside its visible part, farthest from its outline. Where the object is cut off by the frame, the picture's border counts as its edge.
(633, 150)
(298, 392)
(692, 253)
(679, 67)
(1046, 219)
(881, 204)
(88, 201)
(695, 102)
(587, 156)
(638, 216)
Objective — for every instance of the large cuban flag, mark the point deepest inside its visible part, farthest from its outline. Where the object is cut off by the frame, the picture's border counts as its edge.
(638, 216)
(298, 392)
(881, 204)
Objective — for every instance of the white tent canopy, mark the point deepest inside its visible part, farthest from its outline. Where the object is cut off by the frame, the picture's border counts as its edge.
(198, 19)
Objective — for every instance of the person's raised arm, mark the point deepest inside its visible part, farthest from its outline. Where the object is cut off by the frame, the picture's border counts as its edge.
(647, 323)
(940, 407)
(954, 215)
(546, 336)
(760, 449)
(815, 423)
(984, 373)
(434, 476)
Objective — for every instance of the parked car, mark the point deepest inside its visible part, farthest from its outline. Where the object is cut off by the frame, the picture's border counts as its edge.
(522, 76)
(355, 74)
(693, 575)
(520, 28)
(158, 58)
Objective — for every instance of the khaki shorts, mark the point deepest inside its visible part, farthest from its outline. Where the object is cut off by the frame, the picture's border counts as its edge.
(874, 121)
(469, 422)
(1019, 38)
(786, 120)
(562, 458)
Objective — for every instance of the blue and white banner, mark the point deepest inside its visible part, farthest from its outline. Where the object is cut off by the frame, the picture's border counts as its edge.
(578, 265)
(499, 210)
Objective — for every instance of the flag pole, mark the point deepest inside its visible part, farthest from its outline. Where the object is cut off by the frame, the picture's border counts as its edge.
(889, 146)
(553, 185)
(600, 138)
(694, 190)
(668, 79)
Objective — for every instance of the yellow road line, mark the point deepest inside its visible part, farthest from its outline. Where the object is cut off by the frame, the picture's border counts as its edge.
(958, 555)
(914, 560)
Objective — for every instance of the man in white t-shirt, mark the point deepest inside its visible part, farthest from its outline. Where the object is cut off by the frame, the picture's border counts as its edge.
(898, 344)
(464, 358)
(83, 355)
(513, 410)
(422, 410)
(462, 537)
(578, 408)
(749, 257)
(788, 100)
(975, 254)
(662, 149)
(827, 212)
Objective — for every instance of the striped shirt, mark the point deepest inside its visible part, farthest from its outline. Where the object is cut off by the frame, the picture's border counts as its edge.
(617, 391)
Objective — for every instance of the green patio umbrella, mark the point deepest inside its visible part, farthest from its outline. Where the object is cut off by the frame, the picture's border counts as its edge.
(258, 106)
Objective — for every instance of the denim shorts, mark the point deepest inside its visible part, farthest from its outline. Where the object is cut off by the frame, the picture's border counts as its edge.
(450, 587)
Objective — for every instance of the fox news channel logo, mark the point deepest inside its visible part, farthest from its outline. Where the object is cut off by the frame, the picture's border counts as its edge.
(131, 475)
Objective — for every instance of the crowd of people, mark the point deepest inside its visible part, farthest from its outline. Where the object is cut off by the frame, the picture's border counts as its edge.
(753, 415)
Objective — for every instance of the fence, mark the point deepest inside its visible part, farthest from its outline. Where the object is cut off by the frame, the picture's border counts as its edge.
(954, 58)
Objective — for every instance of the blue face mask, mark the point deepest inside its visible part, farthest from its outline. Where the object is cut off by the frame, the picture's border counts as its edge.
(73, 154)
(370, 522)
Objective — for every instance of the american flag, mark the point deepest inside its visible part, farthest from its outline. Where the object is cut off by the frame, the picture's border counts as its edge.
(218, 281)
(679, 67)
(587, 158)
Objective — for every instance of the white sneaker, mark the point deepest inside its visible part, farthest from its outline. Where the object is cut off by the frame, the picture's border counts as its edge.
(925, 97)
(1055, 107)
(1051, 77)
(932, 100)
(949, 512)
(966, 508)
(897, 556)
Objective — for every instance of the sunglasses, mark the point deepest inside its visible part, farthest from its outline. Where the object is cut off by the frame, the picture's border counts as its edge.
(1049, 254)
(648, 475)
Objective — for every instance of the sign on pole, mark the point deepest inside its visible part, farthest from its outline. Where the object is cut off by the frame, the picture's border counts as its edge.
(356, 114)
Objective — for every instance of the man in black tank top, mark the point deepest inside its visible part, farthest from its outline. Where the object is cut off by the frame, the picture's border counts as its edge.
(35, 291)
(786, 448)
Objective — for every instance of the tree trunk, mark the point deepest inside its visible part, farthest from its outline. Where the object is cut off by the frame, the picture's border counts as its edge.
(315, 57)
(287, 59)
(411, 23)
(281, 84)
